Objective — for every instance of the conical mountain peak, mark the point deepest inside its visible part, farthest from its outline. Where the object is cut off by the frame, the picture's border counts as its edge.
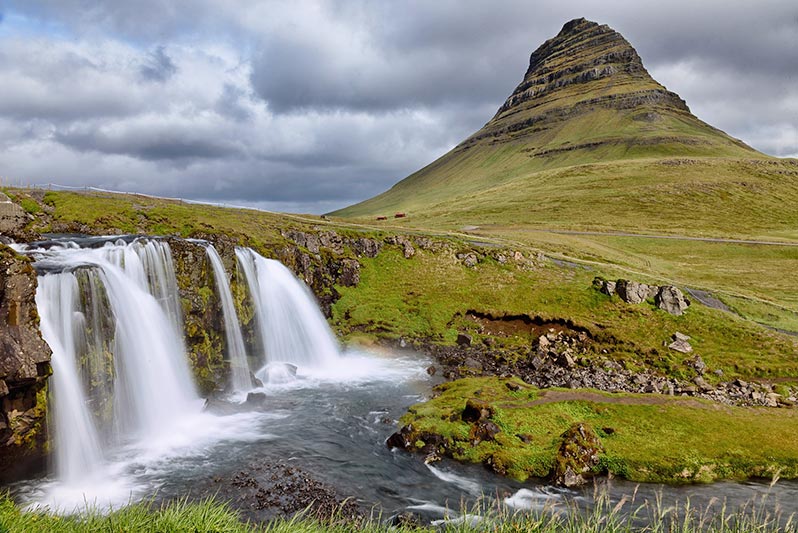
(582, 52)
(585, 98)
(584, 68)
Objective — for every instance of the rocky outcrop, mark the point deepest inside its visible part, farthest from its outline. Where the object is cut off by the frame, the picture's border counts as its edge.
(202, 313)
(13, 220)
(566, 359)
(24, 368)
(666, 297)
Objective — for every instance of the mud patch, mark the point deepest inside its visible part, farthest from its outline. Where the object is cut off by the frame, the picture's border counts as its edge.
(522, 325)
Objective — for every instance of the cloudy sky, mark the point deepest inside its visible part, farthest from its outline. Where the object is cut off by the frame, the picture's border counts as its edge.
(312, 105)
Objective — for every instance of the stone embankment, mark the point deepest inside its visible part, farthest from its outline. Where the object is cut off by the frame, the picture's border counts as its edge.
(565, 359)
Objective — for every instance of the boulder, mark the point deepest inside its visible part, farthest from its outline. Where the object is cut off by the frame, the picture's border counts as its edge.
(470, 260)
(366, 247)
(566, 359)
(604, 286)
(277, 372)
(543, 342)
(407, 247)
(476, 410)
(631, 291)
(256, 399)
(464, 339)
(697, 363)
(671, 299)
(577, 456)
(680, 343)
(608, 288)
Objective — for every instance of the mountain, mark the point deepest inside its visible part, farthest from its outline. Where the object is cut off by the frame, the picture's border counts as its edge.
(586, 116)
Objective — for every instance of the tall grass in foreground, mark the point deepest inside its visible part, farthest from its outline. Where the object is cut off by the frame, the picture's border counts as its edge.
(212, 516)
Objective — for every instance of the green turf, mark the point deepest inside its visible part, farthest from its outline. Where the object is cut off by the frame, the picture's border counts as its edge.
(670, 439)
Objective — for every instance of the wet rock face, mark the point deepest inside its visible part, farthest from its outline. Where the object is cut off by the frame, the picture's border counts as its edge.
(24, 368)
(202, 313)
(577, 456)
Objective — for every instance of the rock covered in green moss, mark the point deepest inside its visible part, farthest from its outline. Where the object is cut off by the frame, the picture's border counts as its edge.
(578, 456)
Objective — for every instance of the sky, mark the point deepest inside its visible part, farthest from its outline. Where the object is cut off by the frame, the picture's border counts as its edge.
(309, 106)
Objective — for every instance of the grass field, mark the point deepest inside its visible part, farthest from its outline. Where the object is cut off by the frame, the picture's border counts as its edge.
(637, 431)
(428, 295)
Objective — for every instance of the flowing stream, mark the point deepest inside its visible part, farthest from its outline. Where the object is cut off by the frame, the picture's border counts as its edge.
(127, 421)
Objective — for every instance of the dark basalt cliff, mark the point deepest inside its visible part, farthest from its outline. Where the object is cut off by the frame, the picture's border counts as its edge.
(24, 368)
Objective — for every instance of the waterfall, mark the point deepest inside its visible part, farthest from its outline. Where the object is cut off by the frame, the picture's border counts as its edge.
(121, 379)
(77, 449)
(236, 353)
(290, 324)
(153, 388)
(112, 318)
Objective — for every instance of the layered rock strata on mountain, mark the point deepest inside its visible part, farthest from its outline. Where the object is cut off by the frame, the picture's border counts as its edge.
(586, 67)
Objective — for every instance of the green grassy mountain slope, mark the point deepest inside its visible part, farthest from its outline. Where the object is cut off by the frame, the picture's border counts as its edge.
(586, 106)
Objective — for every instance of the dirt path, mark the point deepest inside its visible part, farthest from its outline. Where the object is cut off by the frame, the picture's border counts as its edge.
(553, 396)
(670, 237)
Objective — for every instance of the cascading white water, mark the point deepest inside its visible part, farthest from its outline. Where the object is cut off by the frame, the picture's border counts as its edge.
(153, 388)
(152, 384)
(77, 449)
(236, 352)
(290, 324)
(149, 264)
(245, 259)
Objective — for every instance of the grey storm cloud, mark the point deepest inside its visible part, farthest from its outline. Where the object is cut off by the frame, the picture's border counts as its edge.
(158, 66)
(315, 104)
(149, 145)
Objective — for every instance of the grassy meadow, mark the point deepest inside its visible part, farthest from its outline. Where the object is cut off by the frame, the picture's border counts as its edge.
(637, 431)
